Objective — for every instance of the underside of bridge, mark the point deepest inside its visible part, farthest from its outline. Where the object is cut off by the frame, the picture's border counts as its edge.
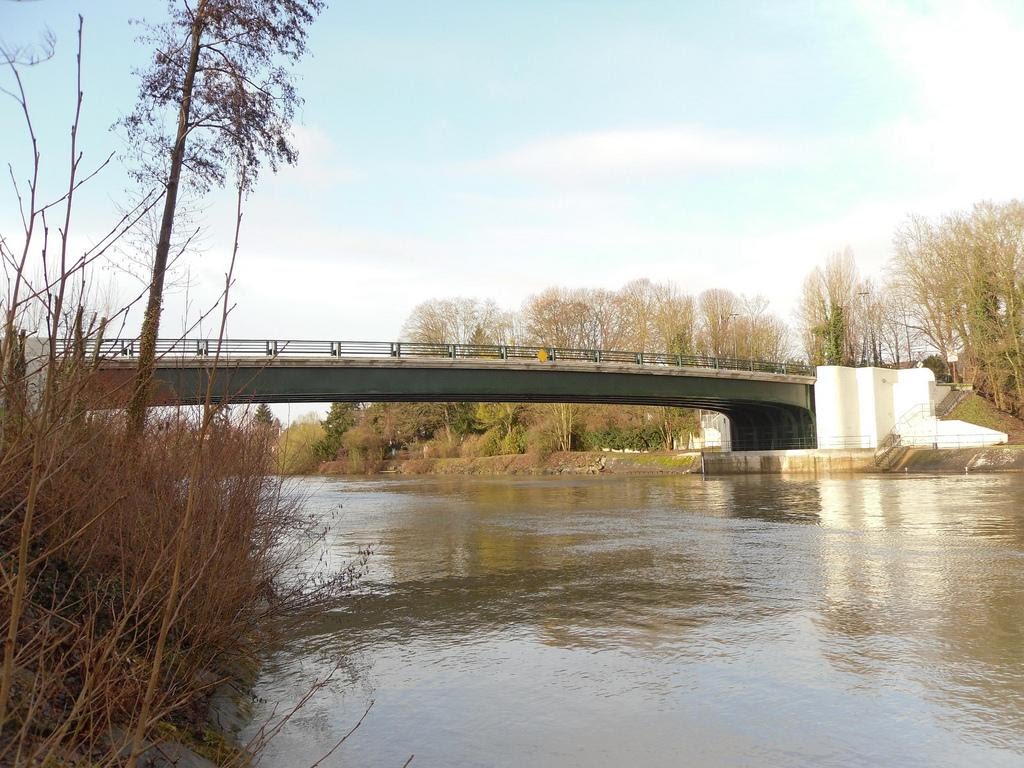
(766, 411)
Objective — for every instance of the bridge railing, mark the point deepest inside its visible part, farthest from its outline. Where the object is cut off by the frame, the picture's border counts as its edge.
(273, 348)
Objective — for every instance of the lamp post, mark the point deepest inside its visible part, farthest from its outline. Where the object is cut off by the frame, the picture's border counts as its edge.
(906, 328)
(732, 327)
(864, 336)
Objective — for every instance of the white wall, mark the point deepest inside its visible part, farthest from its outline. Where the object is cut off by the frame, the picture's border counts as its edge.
(844, 403)
(859, 407)
(715, 431)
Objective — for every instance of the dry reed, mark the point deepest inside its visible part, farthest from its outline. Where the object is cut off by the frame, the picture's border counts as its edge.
(136, 570)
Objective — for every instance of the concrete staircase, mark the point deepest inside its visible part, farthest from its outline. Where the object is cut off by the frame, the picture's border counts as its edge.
(889, 455)
(949, 403)
(891, 448)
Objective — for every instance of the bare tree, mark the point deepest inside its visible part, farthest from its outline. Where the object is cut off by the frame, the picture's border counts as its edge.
(134, 256)
(717, 311)
(657, 317)
(675, 321)
(458, 321)
(896, 338)
(827, 313)
(607, 321)
(760, 335)
(928, 275)
(212, 62)
(561, 317)
(963, 280)
(639, 300)
(565, 421)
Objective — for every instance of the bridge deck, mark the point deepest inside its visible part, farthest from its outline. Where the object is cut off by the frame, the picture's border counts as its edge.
(237, 362)
(770, 405)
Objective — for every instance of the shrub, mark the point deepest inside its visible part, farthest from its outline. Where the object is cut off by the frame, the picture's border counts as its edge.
(514, 441)
(645, 437)
(442, 448)
(541, 441)
(297, 446)
(476, 446)
(137, 564)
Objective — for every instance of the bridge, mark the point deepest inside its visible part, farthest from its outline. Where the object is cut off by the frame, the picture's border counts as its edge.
(769, 405)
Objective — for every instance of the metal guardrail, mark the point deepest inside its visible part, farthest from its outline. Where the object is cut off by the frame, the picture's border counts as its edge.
(853, 442)
(845, 442)
(273, 348)
(949, 403)
(939, 440)
(894, 439)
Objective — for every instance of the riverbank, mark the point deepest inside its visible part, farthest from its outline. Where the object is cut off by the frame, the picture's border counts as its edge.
(1000, 458)
(210, 735)
(137, 610)
(558, 463)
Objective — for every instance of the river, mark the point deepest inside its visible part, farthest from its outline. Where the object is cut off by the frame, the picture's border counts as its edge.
(666, 621)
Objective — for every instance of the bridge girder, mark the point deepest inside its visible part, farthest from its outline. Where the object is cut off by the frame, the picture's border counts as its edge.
(765, 410)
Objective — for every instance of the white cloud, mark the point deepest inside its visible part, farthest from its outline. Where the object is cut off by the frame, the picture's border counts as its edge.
(344, 284)
(618, 153)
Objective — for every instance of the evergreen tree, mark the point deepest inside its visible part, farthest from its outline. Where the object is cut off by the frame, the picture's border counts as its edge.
(340, 419)
(834, 336)
(264, 416)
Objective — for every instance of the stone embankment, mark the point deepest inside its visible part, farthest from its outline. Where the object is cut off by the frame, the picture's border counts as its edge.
(997, 458)
(1000, 458)
(803, 461)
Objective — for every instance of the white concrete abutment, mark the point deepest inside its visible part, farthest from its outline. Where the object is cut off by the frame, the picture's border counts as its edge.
(878, 407)
(870, 408)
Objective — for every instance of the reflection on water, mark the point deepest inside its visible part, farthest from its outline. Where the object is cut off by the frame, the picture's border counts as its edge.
(667, 621)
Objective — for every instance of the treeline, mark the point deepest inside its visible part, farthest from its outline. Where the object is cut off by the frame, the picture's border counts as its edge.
(363, 436)
(954, 288)
(642, 316)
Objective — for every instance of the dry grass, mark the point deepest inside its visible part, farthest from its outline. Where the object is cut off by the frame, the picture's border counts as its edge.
(977, 410)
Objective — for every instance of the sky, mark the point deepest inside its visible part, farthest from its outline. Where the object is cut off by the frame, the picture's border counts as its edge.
(491, 149)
